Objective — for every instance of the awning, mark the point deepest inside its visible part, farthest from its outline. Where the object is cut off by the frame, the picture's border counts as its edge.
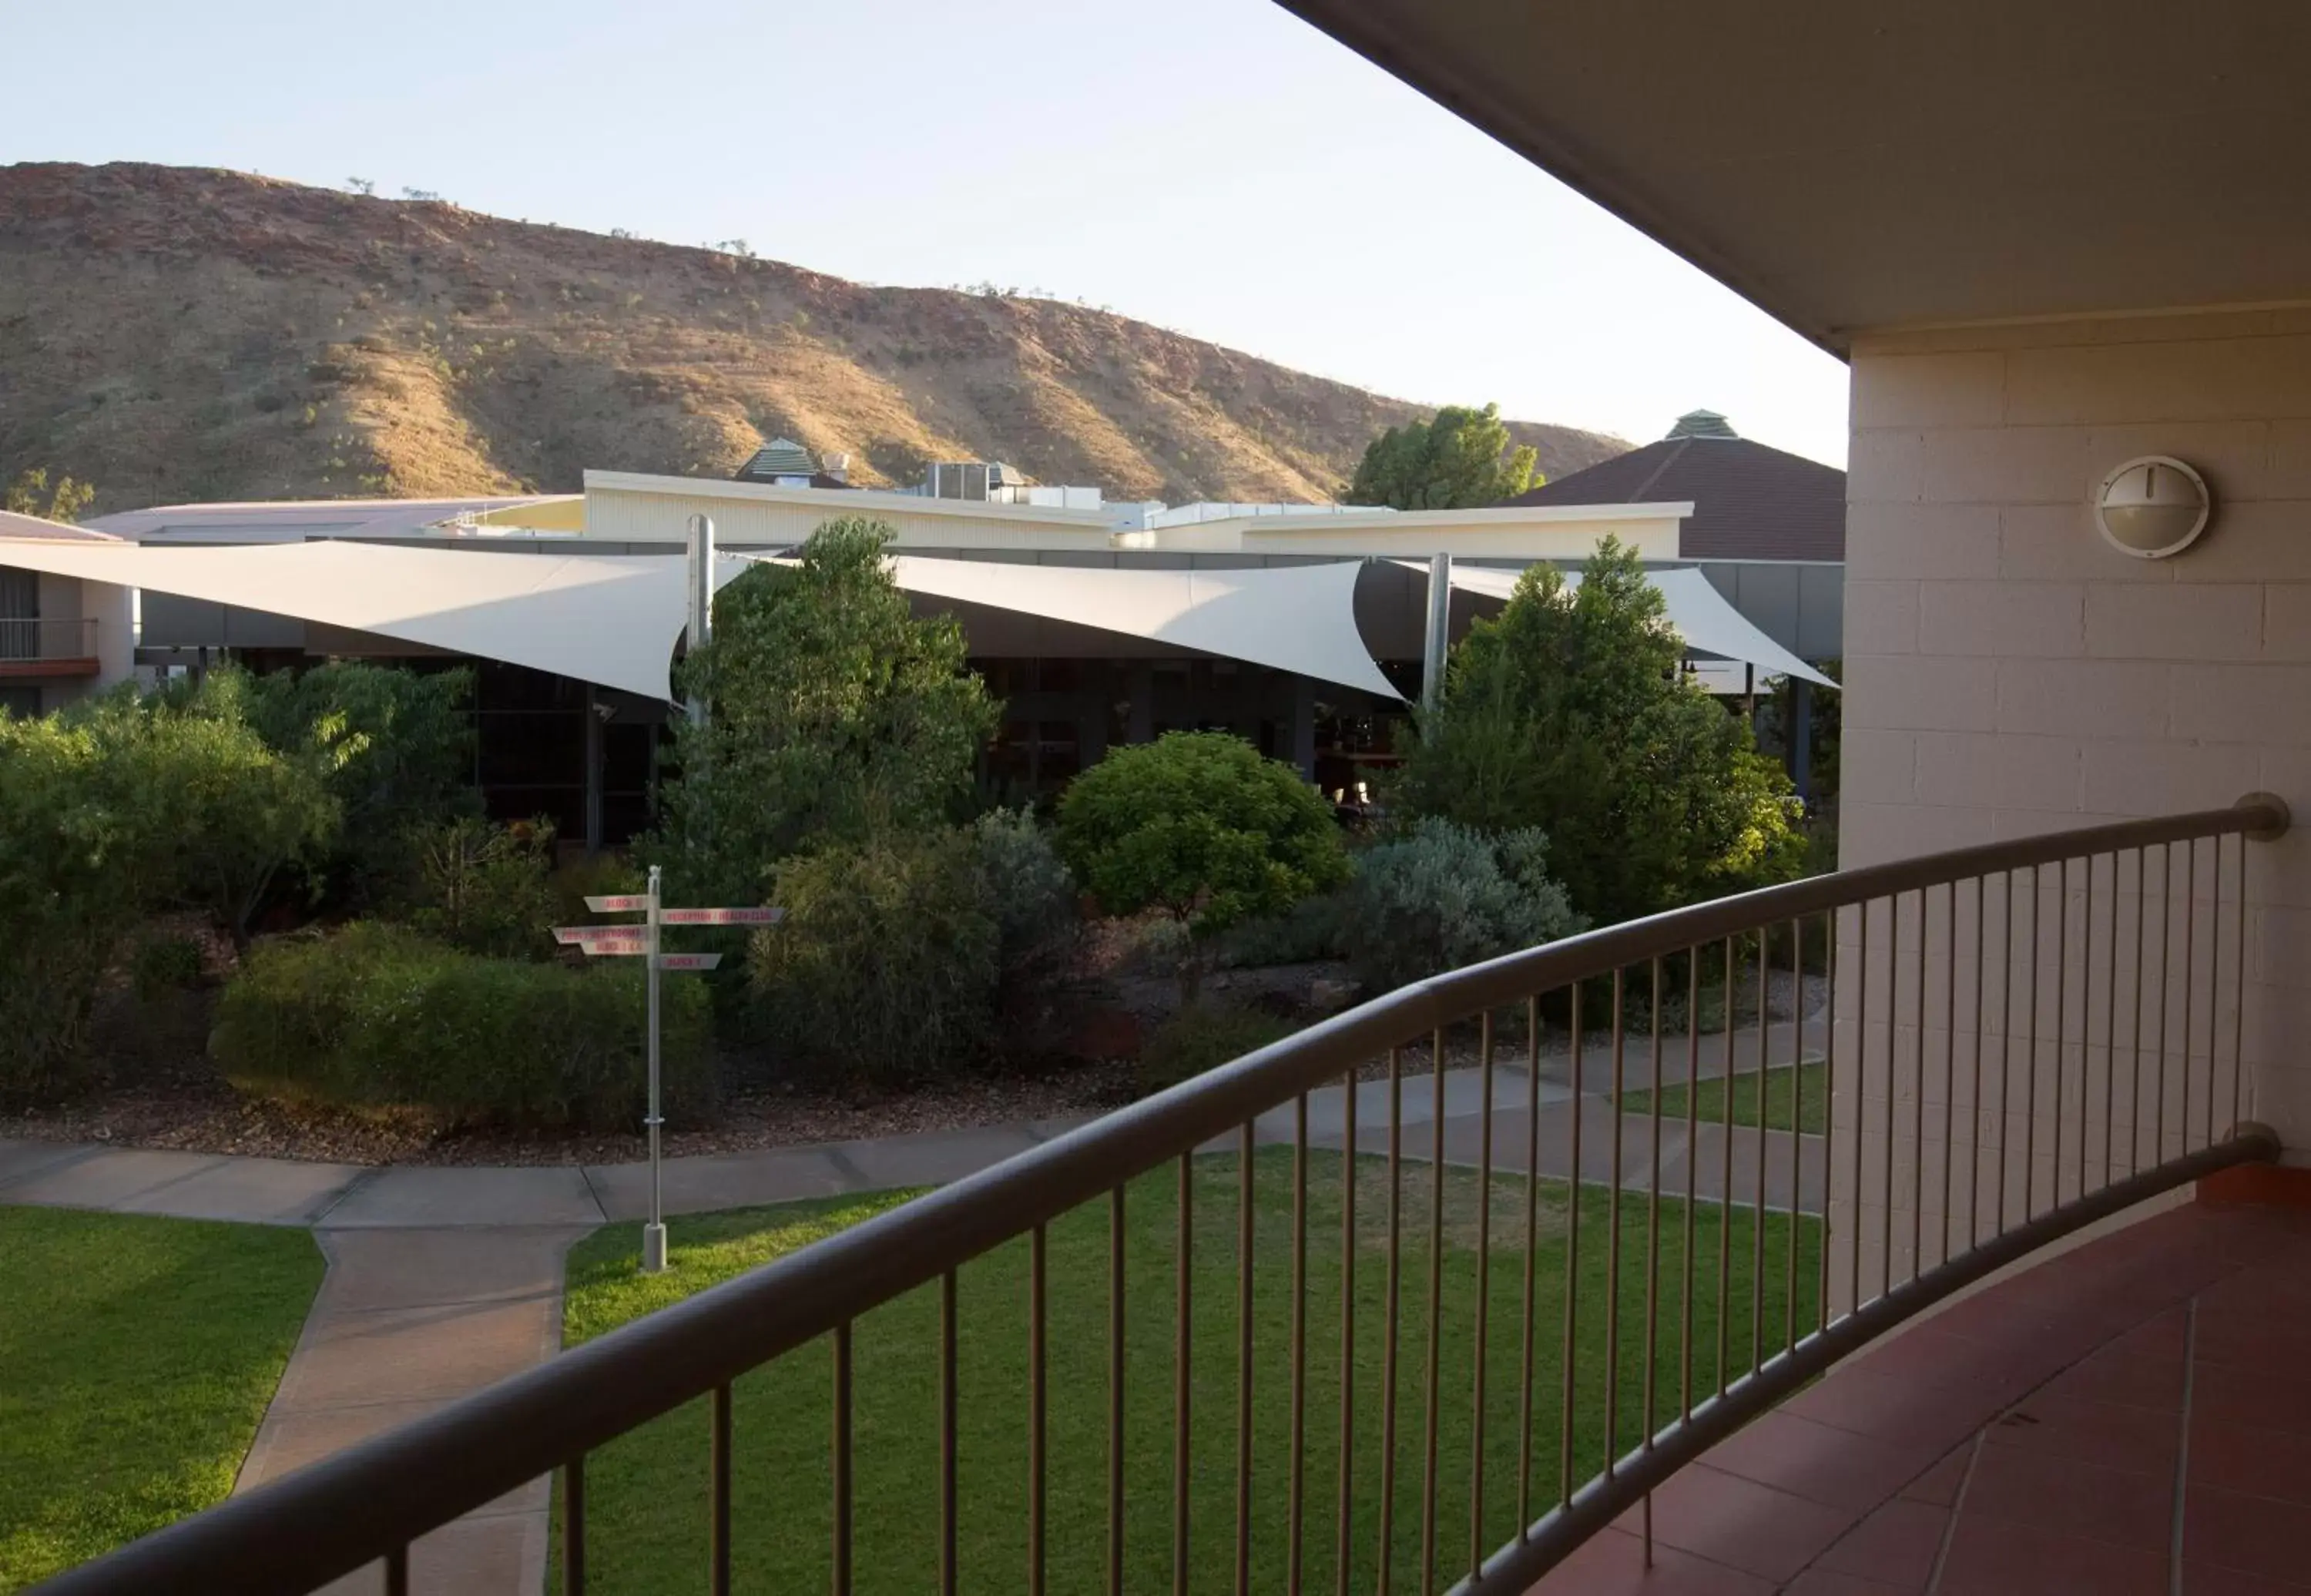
(1699, 612)
(1299, 618)
(613, 619)
(609, 619)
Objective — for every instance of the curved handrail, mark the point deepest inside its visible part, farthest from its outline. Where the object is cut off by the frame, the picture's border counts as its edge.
(1643, 1470)
(336, 1515)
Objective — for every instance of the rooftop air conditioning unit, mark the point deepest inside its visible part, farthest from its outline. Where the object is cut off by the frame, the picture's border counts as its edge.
(977, 481)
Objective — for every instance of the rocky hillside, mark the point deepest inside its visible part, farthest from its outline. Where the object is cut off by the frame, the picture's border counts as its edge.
(177, 334)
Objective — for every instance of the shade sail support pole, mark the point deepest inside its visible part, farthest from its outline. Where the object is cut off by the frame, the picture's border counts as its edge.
(1437, 640)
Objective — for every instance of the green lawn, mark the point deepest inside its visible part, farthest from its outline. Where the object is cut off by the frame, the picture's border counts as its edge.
(647, 1493)
(136, 1357)
(1811, 1082)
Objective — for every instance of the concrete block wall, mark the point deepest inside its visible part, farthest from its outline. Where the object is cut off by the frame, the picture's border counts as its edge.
(2008, 673)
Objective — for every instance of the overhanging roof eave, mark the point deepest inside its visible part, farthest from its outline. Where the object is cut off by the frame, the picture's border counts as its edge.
(1369, 33)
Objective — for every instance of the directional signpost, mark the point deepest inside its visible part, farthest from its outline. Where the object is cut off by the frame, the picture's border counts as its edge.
(630, 941)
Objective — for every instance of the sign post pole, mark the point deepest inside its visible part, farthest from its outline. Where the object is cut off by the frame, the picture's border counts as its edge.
(645, 941)
(653, 1232)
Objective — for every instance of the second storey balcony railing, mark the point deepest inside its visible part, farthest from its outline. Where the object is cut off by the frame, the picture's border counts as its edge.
(42, 640)
(1336, 1314)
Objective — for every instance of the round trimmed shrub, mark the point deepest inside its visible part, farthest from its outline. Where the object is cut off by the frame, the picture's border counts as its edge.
(1197, 823)
(377, 1016)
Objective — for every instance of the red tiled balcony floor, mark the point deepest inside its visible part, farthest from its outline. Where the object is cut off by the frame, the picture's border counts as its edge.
(2132, 1417)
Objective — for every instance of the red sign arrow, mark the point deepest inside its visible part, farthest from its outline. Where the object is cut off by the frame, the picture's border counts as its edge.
(617, 902)
(761, 916)
(688, 961)
(602, 941)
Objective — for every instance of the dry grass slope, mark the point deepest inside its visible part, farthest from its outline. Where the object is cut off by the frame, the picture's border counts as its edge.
(177, 334)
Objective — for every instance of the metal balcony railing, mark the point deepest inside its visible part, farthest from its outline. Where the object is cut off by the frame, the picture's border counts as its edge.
(2023, 1037)
(34, 639)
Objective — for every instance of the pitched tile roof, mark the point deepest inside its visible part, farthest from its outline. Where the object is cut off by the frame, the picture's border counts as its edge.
(1750, 501)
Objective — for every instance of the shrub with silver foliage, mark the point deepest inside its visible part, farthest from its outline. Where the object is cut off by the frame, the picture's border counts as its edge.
(1030, 890)
(1443, 896)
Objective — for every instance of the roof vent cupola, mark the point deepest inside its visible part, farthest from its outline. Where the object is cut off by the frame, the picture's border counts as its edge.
(1702, 424)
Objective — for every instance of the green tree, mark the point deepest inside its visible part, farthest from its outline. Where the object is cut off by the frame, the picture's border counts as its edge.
(484, 888)
(112, 810)
(239, 815)
(1198, 826)
(886, 967)
(29, 494)
(78, 847)
(393, 747)
(1463, 459)
(836, 715)
(396, 747)
(1569, 712)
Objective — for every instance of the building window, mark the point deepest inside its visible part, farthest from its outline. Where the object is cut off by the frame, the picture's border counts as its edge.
(20, 703)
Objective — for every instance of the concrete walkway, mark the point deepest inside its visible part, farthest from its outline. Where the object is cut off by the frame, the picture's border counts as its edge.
(444, 1279)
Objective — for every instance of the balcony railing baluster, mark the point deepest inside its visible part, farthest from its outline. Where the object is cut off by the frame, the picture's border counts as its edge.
(718, 1546)
(1434, 1408)
(1296, 1491)
(1758, 1196)
(1950, 1056)
(1692, 1170)
(2166, 924)
(1247, 1209)
(1613, 1239)
(1115, 1391)
(1484, 1293)
(1038, 1404)
(1571, 1287)
(373, 1502)
(841, 1540)
(1183, 1373)
(1532, 1264)
(949, 1573)
(2238, 995)
(2190, 976)
(573, 1529)
(1343, 1545)
(1797, 1133)
(1389, 1347)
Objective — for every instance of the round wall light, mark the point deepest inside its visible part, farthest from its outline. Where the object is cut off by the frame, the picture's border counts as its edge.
(2152, 507)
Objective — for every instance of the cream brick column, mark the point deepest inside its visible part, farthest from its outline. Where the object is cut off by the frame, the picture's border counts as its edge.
(2008, 674)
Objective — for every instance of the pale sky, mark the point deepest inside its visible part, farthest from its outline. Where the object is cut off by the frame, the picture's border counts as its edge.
(1215, 166)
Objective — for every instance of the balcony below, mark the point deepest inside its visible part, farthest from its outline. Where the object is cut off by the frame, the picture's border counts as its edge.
(2133, 1416)
(48, 650)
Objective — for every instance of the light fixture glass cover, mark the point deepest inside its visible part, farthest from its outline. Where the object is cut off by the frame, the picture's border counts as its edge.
(2152, 507)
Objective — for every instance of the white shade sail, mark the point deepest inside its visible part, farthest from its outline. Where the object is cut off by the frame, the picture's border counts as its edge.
(613, 619)
(1700, 612)
(1299, 618)
(608, 619)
